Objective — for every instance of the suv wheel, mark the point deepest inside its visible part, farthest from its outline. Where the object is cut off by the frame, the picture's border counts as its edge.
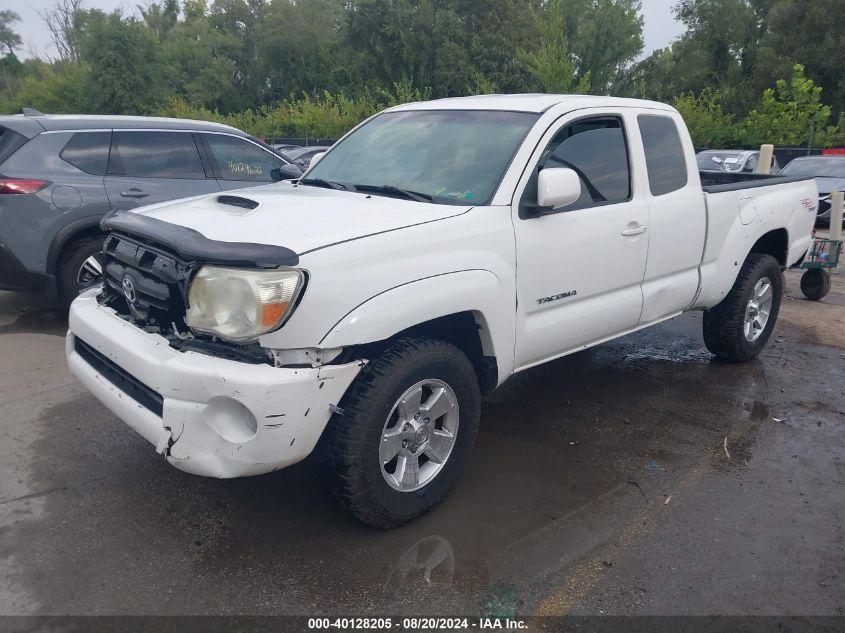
(80, 267)
(407, 427)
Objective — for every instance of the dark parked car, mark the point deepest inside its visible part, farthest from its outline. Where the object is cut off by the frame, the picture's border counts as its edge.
(59, 174)
(732, 161)
(284, 148)
(302, 156)
(829, 172)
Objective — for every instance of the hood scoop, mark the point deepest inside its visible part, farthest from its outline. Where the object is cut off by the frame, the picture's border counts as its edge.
(237, 201)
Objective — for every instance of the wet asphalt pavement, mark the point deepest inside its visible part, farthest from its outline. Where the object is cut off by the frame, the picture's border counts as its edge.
(639, 477)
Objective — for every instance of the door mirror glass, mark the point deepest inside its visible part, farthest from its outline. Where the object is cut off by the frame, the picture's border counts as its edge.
(557, 187)
(285, 172)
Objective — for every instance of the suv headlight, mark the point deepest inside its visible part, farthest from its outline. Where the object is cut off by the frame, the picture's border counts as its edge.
(239, 304)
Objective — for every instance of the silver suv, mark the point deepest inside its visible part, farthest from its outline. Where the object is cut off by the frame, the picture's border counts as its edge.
(59, 174)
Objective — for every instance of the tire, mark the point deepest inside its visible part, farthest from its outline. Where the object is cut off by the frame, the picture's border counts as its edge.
(73, 258)
(725, 325)
(815, 283)
(351, 449)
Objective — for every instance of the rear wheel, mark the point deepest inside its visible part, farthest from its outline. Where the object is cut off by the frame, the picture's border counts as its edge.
(407, 427)
(739, 327)
(80, 268)
(815, 283)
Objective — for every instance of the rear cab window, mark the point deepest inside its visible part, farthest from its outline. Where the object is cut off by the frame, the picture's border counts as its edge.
(154, 154)
(664, 154)
(88, 151)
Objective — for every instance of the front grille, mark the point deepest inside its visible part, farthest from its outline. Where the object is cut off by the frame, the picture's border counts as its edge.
(144, 284)
(120, 378)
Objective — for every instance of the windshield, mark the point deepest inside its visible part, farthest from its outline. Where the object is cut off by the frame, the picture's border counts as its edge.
(730, 161)
(816, 167)
(451, 156)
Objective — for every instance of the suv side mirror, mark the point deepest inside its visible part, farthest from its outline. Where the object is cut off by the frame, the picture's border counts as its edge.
(557, 187)
(288, 171)
(316, 159)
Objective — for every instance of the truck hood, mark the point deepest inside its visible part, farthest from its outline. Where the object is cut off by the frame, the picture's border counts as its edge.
(301, 218)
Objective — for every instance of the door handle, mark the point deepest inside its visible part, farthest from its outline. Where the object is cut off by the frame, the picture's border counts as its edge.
(133, 193)
(634, 230)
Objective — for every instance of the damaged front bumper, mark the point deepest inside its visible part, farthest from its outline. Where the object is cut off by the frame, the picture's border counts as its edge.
(208, 416)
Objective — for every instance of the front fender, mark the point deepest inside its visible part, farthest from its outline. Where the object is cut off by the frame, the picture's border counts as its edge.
(480, 292)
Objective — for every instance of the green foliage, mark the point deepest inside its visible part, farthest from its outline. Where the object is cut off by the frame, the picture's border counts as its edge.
(605, 37)
(323, 116)
(708, 124)
(791, 115)
(57, 88)
(125, 65)
(552, 67)
(317, 67)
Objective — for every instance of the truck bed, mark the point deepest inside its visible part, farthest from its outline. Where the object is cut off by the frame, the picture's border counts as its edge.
(741, 208)
(720, 181)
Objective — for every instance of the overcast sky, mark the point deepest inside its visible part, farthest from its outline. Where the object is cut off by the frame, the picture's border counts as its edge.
(660, 27)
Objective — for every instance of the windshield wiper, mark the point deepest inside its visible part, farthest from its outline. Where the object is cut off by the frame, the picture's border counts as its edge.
(391, 190)
(329, 184)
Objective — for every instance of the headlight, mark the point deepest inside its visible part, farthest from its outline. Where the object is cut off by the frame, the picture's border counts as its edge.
(238, 304)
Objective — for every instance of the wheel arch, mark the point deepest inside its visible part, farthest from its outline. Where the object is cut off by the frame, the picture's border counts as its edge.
(774, 243)
(81, 228)
(469, 309)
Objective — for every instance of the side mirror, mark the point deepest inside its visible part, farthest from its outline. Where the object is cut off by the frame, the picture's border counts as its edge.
(557, 187)
(316, 159)
(288, 171)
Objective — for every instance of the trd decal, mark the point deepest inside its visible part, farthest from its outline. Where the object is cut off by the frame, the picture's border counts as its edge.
(562, 295)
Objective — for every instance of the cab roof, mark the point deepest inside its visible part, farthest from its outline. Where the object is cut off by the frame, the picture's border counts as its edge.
(537, 103)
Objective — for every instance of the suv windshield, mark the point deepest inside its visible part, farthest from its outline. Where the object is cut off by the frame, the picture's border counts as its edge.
(816, 167)
(449, 156)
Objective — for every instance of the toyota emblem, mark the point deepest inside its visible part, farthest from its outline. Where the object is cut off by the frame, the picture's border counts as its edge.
(128, 289)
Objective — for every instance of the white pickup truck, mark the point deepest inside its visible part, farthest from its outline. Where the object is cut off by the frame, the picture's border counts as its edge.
(437, 249)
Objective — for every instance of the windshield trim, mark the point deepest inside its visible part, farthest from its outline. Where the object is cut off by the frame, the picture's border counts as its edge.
(442, 200)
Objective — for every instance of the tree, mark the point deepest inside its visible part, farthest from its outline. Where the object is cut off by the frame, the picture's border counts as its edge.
(811, 33)
(8, 38)
(722, 31)
(309, 58)
(125, 65)
(160, 18)
(791, 115)
(65, 24)
(54, 88)
(708, 125)
(199, 61)
(240, 19)
(605, 36)
(552, 66)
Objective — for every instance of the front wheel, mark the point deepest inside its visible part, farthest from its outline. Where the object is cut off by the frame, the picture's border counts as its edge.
(738, 328)
(406, 428)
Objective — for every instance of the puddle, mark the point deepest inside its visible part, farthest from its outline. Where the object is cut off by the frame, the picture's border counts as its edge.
(668, 356)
